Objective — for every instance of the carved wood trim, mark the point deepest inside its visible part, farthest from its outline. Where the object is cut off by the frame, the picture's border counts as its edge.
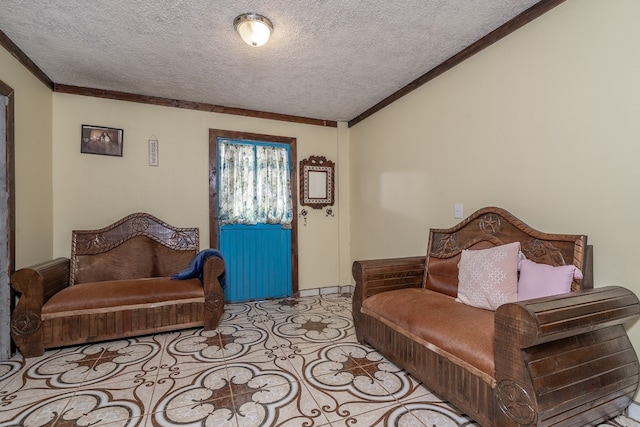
(26, 323)
(214, 303)
(515, 402)
(92, 242)
(498, 227)
(317, 164)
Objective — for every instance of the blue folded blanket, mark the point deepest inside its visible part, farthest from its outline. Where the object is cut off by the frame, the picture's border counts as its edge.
(194, 269)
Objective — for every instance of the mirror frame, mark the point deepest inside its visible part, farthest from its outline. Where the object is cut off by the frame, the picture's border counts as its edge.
(315, 191)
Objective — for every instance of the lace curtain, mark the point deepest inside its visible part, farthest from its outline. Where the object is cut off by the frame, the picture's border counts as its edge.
(254, 184)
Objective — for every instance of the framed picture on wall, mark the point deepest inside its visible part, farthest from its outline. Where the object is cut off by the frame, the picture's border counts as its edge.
(101, 140)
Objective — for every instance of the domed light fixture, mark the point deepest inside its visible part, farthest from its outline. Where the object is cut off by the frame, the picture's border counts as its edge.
(253, 28)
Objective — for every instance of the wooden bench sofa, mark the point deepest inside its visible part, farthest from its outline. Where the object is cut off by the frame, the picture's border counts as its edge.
(562, 360)
(117, 283)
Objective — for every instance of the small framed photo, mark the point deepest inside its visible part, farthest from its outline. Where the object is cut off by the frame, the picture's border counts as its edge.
(101, 140)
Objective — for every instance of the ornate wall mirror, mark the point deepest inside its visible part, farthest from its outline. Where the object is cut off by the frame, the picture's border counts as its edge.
(316, 182)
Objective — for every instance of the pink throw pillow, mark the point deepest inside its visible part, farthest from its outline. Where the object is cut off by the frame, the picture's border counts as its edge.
(488, 278)
(542, 280)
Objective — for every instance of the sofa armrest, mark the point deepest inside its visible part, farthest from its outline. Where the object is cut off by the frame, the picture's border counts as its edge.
(213, 269)
(36, 284)
(558, 354)
(380, 275)
(548, 319)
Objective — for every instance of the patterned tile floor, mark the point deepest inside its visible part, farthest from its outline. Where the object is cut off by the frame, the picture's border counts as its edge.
(292, 362)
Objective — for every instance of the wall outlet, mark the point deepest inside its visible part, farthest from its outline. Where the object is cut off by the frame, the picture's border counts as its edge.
(457, 211)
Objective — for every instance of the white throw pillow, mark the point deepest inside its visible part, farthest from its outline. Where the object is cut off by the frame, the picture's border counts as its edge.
(488, 278)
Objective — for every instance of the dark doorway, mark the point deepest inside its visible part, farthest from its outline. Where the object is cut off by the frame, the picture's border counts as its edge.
(7, 216)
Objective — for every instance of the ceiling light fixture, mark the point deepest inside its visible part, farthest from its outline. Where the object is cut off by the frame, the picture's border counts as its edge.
(253, 28)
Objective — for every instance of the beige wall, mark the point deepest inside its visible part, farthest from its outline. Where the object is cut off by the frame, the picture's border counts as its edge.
(92, 191)
(33, 115)
(545, 123)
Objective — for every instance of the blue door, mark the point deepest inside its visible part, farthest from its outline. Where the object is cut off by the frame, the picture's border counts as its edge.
(254, 218)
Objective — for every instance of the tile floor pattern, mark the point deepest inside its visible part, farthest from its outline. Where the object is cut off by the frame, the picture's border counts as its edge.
(290, 362)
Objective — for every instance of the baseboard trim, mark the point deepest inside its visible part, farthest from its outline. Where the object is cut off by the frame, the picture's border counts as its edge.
(633, 411)
(345, 289)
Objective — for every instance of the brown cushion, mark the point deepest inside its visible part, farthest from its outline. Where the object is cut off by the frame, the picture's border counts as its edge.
(110, 294)
(442, 273)
(453, 328)
(136, 258)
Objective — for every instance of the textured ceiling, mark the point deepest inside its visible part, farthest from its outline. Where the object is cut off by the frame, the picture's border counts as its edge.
(326, 59)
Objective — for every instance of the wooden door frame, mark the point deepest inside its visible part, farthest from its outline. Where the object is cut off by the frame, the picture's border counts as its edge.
(214, 134)
(10, 176)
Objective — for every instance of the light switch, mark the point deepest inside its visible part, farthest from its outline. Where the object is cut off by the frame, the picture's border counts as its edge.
(457, 210)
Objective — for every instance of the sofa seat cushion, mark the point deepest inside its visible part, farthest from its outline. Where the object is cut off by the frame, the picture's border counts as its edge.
(105, 296)
(462, 333)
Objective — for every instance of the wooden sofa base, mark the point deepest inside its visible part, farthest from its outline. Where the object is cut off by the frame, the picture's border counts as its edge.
(456, 384)
(616, 381)
(121, 323)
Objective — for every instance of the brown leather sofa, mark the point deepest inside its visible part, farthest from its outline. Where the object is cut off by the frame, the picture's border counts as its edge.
(562, 360)
(117, 283)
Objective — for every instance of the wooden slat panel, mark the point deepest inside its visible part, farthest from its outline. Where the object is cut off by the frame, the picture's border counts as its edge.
(587, 387)
(94, 327)
(581, 313)
(57, 330)
(193, 312)
(599, 411)
(118, 323)
(551, 311)
(74, 328)
(63, 332)
(136, 320)
(155, 314)
(101, 321)
(565, 376)
(167, 318)
(577, 350)
(121, 324)
(84, 325)
(557, 317)
(201, 312)
(47, 331)
(186, 312)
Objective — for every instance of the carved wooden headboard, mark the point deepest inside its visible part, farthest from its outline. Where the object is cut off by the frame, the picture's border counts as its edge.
(137, 246)
(494, 226)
